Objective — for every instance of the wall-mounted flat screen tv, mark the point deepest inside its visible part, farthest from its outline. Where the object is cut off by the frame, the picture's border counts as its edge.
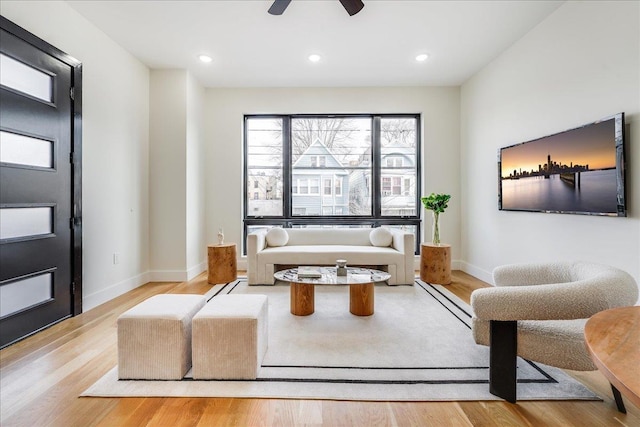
(579, 171)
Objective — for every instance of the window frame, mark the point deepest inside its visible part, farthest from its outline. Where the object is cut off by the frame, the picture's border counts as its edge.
(289, 219)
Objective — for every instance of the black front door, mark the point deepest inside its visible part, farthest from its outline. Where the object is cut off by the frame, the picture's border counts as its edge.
(37, 203)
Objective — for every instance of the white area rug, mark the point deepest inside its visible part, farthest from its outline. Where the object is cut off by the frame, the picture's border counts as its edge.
(416, 347)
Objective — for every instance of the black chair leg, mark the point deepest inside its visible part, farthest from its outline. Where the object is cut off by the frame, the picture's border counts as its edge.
(618, 398)
(502, 359)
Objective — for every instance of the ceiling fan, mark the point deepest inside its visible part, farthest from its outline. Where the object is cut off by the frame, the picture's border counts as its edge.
(351, 6)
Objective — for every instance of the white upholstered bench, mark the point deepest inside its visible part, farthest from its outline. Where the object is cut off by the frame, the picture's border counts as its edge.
(154, 337)
(230, 337)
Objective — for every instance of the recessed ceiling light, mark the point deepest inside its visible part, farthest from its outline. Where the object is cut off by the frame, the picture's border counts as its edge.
(205, 58)
(422, 57)
(314, 57)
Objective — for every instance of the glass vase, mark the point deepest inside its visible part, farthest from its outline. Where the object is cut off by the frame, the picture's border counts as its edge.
(436, 229)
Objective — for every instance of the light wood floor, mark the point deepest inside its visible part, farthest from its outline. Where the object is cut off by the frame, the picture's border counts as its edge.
(42, 376)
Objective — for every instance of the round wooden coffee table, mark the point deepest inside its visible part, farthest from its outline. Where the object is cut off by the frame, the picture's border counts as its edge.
(360, 281)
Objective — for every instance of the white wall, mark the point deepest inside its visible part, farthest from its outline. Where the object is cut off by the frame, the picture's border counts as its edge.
(195, 191)
(224, 119)
(115, 144)
(176, 174)
(167, 173)
(579, 65)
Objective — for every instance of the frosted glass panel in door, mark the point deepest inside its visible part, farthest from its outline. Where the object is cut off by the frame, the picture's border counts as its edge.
(23, 78)
(24, 150)
(24, 222)
(24, 293)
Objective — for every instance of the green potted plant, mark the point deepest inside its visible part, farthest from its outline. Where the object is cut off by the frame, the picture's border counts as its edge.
(436, 203)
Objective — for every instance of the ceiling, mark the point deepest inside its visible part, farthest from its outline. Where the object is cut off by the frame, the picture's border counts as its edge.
(376, 47)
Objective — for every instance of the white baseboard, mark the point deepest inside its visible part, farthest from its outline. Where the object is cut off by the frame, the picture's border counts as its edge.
(168, 276)
(477, 272)
(177, 275)
(117, 289)
(113, 291)
(196, 269)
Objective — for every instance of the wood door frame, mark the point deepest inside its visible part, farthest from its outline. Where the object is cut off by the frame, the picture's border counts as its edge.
(76, 153)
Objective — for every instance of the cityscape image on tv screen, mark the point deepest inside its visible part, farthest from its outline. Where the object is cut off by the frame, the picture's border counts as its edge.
(570, 172)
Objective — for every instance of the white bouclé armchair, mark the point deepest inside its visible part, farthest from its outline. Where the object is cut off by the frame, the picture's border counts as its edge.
(548, 305)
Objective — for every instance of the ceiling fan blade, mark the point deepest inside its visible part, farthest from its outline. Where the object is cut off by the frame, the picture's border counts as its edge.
(278, 7)
(352, 6)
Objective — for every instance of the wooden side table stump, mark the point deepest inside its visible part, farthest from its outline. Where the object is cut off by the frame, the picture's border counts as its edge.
(435, 263)
(222, 263)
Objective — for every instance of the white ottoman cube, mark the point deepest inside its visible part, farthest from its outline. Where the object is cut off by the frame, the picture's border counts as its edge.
(154, 337)
(230, 337)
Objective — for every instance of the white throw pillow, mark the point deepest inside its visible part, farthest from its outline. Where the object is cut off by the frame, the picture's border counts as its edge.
(277, 237)
(380, 237)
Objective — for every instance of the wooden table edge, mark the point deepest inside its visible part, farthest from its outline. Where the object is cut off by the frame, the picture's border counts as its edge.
(633, 396)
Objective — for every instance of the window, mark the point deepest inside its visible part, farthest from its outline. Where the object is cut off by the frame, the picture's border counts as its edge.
(314, 186)
(263, 152)
(394, 162)
(303, 186)
(318, 161)
(364, 166)
(396, 189)
(327, 187)
(338, 186)
(386, 186)
(406, 190)
(392, 186)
